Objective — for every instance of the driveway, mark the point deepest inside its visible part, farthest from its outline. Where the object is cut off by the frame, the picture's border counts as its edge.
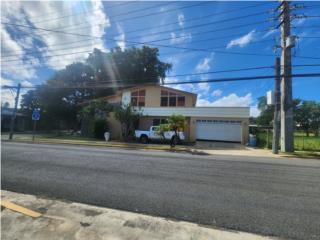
(213, 145)
(253, 194)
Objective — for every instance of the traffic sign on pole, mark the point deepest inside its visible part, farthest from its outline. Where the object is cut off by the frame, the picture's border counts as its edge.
(36, 114)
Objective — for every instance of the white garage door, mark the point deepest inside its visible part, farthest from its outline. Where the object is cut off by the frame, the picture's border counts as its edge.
(218, 130)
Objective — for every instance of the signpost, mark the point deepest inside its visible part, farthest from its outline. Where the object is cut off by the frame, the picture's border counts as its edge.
(35, 118)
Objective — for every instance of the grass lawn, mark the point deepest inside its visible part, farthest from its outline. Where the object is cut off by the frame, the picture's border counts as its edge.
(301, 141)
(28, 136)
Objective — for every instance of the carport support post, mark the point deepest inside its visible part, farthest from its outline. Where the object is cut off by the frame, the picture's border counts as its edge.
(276, 118)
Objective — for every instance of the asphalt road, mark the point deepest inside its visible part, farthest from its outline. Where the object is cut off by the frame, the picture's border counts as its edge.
(276, 197)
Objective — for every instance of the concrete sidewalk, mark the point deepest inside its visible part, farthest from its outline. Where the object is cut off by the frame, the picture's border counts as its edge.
(66, 220)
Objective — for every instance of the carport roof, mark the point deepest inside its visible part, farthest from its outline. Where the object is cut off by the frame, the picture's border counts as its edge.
(231, 112)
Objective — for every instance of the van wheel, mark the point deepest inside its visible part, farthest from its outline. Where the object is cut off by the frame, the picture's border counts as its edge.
(144, 139)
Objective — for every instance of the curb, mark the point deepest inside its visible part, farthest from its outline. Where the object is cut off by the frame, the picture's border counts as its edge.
(95, 144)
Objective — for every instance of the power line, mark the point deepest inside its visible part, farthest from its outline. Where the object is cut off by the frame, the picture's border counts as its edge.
(179, 37)
(191, 19)
(121, 14)
(109, 7)
(138, 43)
(81, 46)
(243, 78)
(75, 28)
(157, 13)
(169, 83)
(197, 25)
(204, 24)
(208, 73)
(197, 18)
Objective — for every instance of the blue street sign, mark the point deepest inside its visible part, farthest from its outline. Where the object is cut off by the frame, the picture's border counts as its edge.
(36, 114)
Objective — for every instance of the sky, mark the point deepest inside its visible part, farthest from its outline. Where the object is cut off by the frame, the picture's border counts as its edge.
(230, 35)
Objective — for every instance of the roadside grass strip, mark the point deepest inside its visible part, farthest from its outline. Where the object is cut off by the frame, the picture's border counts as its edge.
(104, 144)
(20, 209)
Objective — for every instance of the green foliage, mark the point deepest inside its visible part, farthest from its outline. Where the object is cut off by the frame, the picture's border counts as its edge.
(128, 119)
(60, 96)
(98, 109)
(302, 142)
(100, 127)
(94, 113)
(177, 122)
(307, 116)
(267, 111)
(174, 123)
(134, 65)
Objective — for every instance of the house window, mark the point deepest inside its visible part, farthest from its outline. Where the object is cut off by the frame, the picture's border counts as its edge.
(181, 101)
(157, 121)
(138, 98)
(171, 99)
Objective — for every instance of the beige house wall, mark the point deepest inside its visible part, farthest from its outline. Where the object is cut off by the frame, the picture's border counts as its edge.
(114, 127)
(190, 132)
(153, 96)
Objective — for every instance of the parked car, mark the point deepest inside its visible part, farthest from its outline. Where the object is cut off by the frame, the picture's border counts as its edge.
(152, 134)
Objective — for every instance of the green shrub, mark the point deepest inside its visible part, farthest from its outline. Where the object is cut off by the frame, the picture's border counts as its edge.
(100, 127)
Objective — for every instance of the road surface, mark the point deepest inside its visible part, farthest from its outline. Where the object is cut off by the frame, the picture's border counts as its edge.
(276, 197)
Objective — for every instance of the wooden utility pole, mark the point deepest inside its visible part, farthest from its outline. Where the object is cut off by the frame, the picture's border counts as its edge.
(14, 113)
(286, 81)
(276, 118)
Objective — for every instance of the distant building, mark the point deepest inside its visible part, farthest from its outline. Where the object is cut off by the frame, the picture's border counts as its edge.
(20, 121)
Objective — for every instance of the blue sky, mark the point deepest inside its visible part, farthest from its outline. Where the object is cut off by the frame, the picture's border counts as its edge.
(221, 28)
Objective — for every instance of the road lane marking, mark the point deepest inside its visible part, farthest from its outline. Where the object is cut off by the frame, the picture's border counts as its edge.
(17, 208)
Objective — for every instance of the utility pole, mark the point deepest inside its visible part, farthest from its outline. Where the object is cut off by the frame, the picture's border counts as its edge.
(14, 113)
(286, 81)
(276, 118)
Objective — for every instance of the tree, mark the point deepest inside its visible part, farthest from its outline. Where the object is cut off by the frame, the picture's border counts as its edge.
(5, 105)
(307, 116)
(128, 119)
(266, 112)
(133, 65)
(174, 123)
(59, 97)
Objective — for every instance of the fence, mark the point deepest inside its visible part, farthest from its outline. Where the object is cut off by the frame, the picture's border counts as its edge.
(302, 142)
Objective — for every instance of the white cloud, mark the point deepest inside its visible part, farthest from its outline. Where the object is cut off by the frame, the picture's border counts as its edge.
(254, 111)
(180, 38)
(181, 19)
(26, 84)
(269, 33)
(7, 82)
(242, 41)
(232, 100)
(27, 13)
(121, 38)
(204, 64)
(217, 93)
(11, 47)
(8, 95)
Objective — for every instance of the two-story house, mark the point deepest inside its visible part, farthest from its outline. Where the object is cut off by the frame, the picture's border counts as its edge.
(156, 103)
